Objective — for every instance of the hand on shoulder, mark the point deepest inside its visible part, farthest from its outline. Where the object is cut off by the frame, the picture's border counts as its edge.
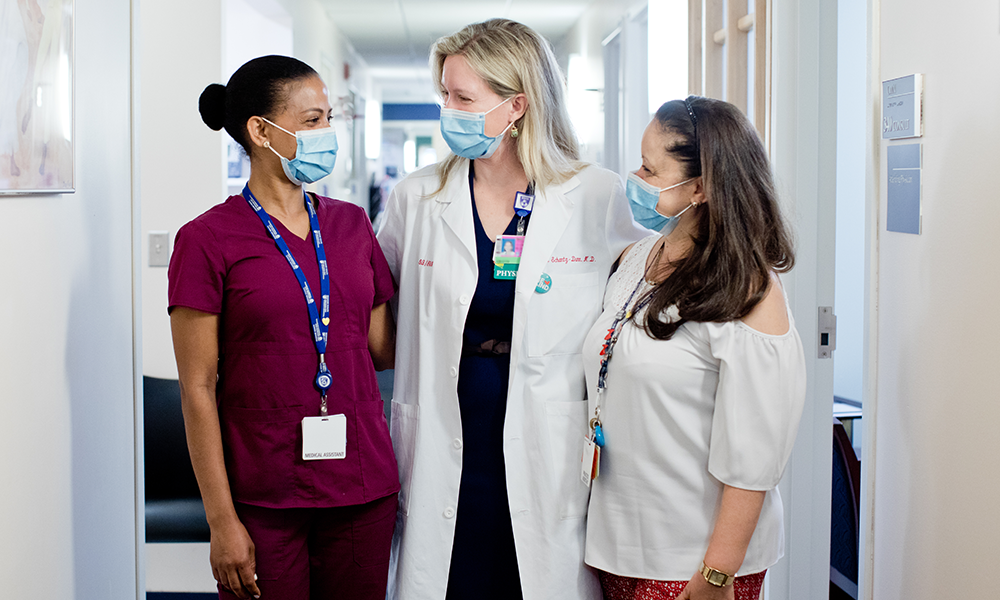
(770, 316)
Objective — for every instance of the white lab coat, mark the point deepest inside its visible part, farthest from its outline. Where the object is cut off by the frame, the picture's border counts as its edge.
(577, 230)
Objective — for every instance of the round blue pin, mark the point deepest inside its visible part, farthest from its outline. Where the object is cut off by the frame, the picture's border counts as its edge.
(544, 283)
(323, 378)
(324, 381)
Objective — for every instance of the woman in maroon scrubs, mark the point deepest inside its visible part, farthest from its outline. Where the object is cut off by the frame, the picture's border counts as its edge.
(277, 307)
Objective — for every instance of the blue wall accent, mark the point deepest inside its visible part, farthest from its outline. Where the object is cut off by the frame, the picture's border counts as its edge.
(411, 112)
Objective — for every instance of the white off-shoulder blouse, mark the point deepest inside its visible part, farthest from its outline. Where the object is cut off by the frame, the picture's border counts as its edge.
(719, 403)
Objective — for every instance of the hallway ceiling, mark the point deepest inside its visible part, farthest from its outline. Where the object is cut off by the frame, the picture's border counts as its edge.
(392, 34)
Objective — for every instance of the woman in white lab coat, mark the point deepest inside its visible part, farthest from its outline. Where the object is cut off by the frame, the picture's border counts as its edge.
(489, 411)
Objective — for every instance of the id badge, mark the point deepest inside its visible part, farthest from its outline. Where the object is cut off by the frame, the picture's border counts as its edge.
(507, 256)
(324, 438)
(590, 462)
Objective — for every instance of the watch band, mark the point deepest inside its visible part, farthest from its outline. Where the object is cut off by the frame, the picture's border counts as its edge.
(715, 576)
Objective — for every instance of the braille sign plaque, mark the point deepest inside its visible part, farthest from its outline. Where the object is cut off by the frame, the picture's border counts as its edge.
(902, 111)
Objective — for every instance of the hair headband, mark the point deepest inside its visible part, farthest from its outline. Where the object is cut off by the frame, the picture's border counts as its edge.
(694, 119)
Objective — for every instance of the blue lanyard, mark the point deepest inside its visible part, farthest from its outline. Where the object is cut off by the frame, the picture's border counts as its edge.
(319, 318)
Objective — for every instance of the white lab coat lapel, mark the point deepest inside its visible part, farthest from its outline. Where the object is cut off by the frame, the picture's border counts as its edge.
(457, 212)
(552, 211)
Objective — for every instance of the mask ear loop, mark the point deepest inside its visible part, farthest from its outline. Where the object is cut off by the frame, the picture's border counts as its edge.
(694, 203)
(267, 144)
(509, 125)
(485, 113)
(678, 215)
(676, 185)
(266, 120)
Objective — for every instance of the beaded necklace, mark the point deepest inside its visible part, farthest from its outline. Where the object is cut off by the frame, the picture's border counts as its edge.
(625, 313)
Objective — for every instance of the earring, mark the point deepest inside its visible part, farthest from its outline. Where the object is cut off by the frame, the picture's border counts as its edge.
(267, 144)
(513, 131)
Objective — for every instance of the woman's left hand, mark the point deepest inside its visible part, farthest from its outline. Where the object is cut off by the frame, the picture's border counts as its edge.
(699, 589)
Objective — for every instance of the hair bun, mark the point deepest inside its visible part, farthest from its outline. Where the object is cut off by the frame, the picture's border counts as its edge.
(212, 106)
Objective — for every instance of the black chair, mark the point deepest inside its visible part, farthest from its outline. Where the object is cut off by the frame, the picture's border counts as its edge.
(844, 520)
(174, 510)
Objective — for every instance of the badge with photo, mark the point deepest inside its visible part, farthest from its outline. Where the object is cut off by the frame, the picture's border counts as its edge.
(507, 249)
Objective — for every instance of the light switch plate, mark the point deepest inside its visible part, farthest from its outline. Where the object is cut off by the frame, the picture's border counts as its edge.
(159, 248)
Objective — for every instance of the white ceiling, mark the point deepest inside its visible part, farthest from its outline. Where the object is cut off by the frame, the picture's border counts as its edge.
(393, 34)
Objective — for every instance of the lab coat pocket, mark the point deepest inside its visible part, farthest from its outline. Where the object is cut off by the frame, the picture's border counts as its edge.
(567, 426)
(559, 319)
(403, 429)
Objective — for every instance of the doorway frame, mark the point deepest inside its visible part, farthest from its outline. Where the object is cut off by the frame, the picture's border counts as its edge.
(803, 84)
(869, 403)
(802, 140)
(135, 79)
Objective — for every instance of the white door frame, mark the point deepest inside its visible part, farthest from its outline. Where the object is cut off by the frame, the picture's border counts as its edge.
(137, 237)
(803, 144)
(803, 128)
(873, 94)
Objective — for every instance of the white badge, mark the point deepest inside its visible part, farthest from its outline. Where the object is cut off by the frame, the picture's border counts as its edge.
(324, 437)
(590, 462)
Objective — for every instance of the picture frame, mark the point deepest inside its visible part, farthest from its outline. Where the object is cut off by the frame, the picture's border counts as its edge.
(37, 137)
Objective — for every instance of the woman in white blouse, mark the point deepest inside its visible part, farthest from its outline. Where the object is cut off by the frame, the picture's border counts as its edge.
(696, 413)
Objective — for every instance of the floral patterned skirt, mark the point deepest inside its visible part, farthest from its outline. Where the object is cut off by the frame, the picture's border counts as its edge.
(616, 587)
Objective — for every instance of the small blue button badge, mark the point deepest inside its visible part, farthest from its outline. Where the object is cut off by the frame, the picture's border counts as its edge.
(544, 284)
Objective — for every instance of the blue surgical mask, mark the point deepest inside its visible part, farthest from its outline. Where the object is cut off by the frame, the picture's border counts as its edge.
(315, 154)
(465, 132)
(643, 198)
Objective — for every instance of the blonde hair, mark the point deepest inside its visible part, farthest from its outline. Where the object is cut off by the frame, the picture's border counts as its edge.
(512, 58)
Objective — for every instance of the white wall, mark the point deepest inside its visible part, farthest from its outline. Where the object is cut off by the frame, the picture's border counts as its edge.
(319, 43)
(182, 160)
(67, 451)
(584, 40)
(254, 28)
(936, 483)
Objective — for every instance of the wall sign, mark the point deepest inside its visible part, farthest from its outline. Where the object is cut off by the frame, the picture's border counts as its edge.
(904, 188)
(902, 107)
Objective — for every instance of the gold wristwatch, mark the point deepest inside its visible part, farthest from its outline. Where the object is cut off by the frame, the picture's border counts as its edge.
(716, 577)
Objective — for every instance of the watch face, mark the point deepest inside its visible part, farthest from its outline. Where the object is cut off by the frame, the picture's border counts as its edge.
(715, 577)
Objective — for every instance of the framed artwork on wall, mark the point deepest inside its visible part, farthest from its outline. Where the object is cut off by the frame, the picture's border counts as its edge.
(36, 96)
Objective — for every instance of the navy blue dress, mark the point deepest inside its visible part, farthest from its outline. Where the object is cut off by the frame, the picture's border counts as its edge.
(483, 558)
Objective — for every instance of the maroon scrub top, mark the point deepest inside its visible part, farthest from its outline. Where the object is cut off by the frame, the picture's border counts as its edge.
(226, 263)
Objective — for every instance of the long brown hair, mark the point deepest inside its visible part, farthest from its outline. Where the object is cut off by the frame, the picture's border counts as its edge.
(740, 237)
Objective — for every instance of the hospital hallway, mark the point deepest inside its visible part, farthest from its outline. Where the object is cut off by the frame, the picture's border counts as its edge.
(885, 495)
